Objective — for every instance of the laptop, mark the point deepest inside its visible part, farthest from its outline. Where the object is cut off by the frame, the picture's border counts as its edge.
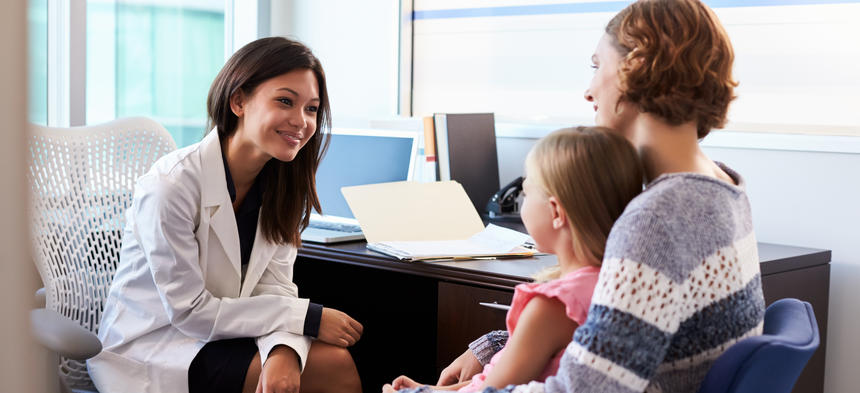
(357, 157)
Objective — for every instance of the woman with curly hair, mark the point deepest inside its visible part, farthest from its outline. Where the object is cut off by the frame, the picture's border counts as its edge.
(680, 281)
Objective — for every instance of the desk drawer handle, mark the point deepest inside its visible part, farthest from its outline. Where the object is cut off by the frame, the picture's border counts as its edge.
(495, 305)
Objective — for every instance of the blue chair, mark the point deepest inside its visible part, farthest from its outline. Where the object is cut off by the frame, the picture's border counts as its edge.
(770, 362)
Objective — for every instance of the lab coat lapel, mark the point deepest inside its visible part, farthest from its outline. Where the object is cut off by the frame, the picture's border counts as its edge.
(216, 200)
(261, 253)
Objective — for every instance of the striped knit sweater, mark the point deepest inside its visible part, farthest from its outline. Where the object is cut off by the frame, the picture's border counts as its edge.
(680, 283)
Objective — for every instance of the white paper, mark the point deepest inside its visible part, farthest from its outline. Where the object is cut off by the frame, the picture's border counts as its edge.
(493, 240)
(499, 238)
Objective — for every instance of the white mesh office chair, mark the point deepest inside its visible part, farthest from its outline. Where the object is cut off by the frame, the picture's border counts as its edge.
(81, 182)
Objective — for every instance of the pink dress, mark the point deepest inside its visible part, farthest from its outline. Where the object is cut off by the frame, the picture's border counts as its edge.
(574, 290)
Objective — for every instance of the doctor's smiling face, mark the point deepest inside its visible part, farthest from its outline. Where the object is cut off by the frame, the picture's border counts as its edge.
(278, 117)
(270, 101)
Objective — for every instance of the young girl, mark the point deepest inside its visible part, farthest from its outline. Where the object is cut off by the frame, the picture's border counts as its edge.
(203, 298)
(578, 181)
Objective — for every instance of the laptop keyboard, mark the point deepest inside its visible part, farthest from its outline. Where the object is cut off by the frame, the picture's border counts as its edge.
(335, 226)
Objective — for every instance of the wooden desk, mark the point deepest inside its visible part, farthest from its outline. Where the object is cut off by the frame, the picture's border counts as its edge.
(418, 317)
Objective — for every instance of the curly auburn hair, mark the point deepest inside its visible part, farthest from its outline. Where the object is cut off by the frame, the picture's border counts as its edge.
(677, 61)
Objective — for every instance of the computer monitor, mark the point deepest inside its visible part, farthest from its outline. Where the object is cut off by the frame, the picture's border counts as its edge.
(358, 157)
(466, 152)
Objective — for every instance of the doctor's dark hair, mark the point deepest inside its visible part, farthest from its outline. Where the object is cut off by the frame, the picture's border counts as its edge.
(289, 187)
(677, 61)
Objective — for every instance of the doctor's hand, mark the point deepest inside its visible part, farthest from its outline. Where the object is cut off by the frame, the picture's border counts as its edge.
(281, 373)
(337, 328)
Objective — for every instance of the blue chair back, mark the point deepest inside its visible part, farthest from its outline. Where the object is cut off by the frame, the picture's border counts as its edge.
(770, 362)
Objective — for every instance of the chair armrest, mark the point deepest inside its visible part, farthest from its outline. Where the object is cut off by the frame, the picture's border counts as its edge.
(40, 297)
(63, 336)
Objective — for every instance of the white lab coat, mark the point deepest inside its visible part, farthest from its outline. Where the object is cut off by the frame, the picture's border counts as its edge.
(178, 282)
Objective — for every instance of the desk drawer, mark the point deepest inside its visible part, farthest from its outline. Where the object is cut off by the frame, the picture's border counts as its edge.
(461, 318)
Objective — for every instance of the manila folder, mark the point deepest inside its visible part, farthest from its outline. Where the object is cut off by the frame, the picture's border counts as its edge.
(412, 211)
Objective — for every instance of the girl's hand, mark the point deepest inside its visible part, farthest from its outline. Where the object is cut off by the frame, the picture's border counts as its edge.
(281, 372)
(460, 370)
(337, 328)
(404, 382)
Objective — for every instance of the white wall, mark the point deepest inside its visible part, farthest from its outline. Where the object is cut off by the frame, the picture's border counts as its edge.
(22, 367)
(357, 43)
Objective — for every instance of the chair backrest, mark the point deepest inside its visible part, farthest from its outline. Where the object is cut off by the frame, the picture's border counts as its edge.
(81, 182)
(770, 362)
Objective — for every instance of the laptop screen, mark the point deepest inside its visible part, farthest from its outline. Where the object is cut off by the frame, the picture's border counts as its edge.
(357, 157)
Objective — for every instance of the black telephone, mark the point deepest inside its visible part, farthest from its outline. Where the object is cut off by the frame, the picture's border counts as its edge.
(503, 204)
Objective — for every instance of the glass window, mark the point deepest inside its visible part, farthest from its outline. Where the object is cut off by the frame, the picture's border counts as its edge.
(528, 61)
(154, 58)
(38, 56)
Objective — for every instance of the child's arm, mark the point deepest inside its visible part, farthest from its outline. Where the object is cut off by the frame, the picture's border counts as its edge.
(404, 382)
(542, 331)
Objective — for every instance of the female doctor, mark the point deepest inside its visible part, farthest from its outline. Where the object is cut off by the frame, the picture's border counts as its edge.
(203, 297)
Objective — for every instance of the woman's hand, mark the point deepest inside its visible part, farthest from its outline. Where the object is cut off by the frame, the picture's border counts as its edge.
(337, 328)
(460, 370)
(281, 372)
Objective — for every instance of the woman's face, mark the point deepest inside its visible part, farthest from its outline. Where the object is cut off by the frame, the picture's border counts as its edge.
(280, 115)
(537, 215)
(605, 89)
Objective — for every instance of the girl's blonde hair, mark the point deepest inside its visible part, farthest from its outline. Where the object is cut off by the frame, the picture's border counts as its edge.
(593, 173)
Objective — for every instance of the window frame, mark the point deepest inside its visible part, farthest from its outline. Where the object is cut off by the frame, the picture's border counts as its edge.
(67, 51)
